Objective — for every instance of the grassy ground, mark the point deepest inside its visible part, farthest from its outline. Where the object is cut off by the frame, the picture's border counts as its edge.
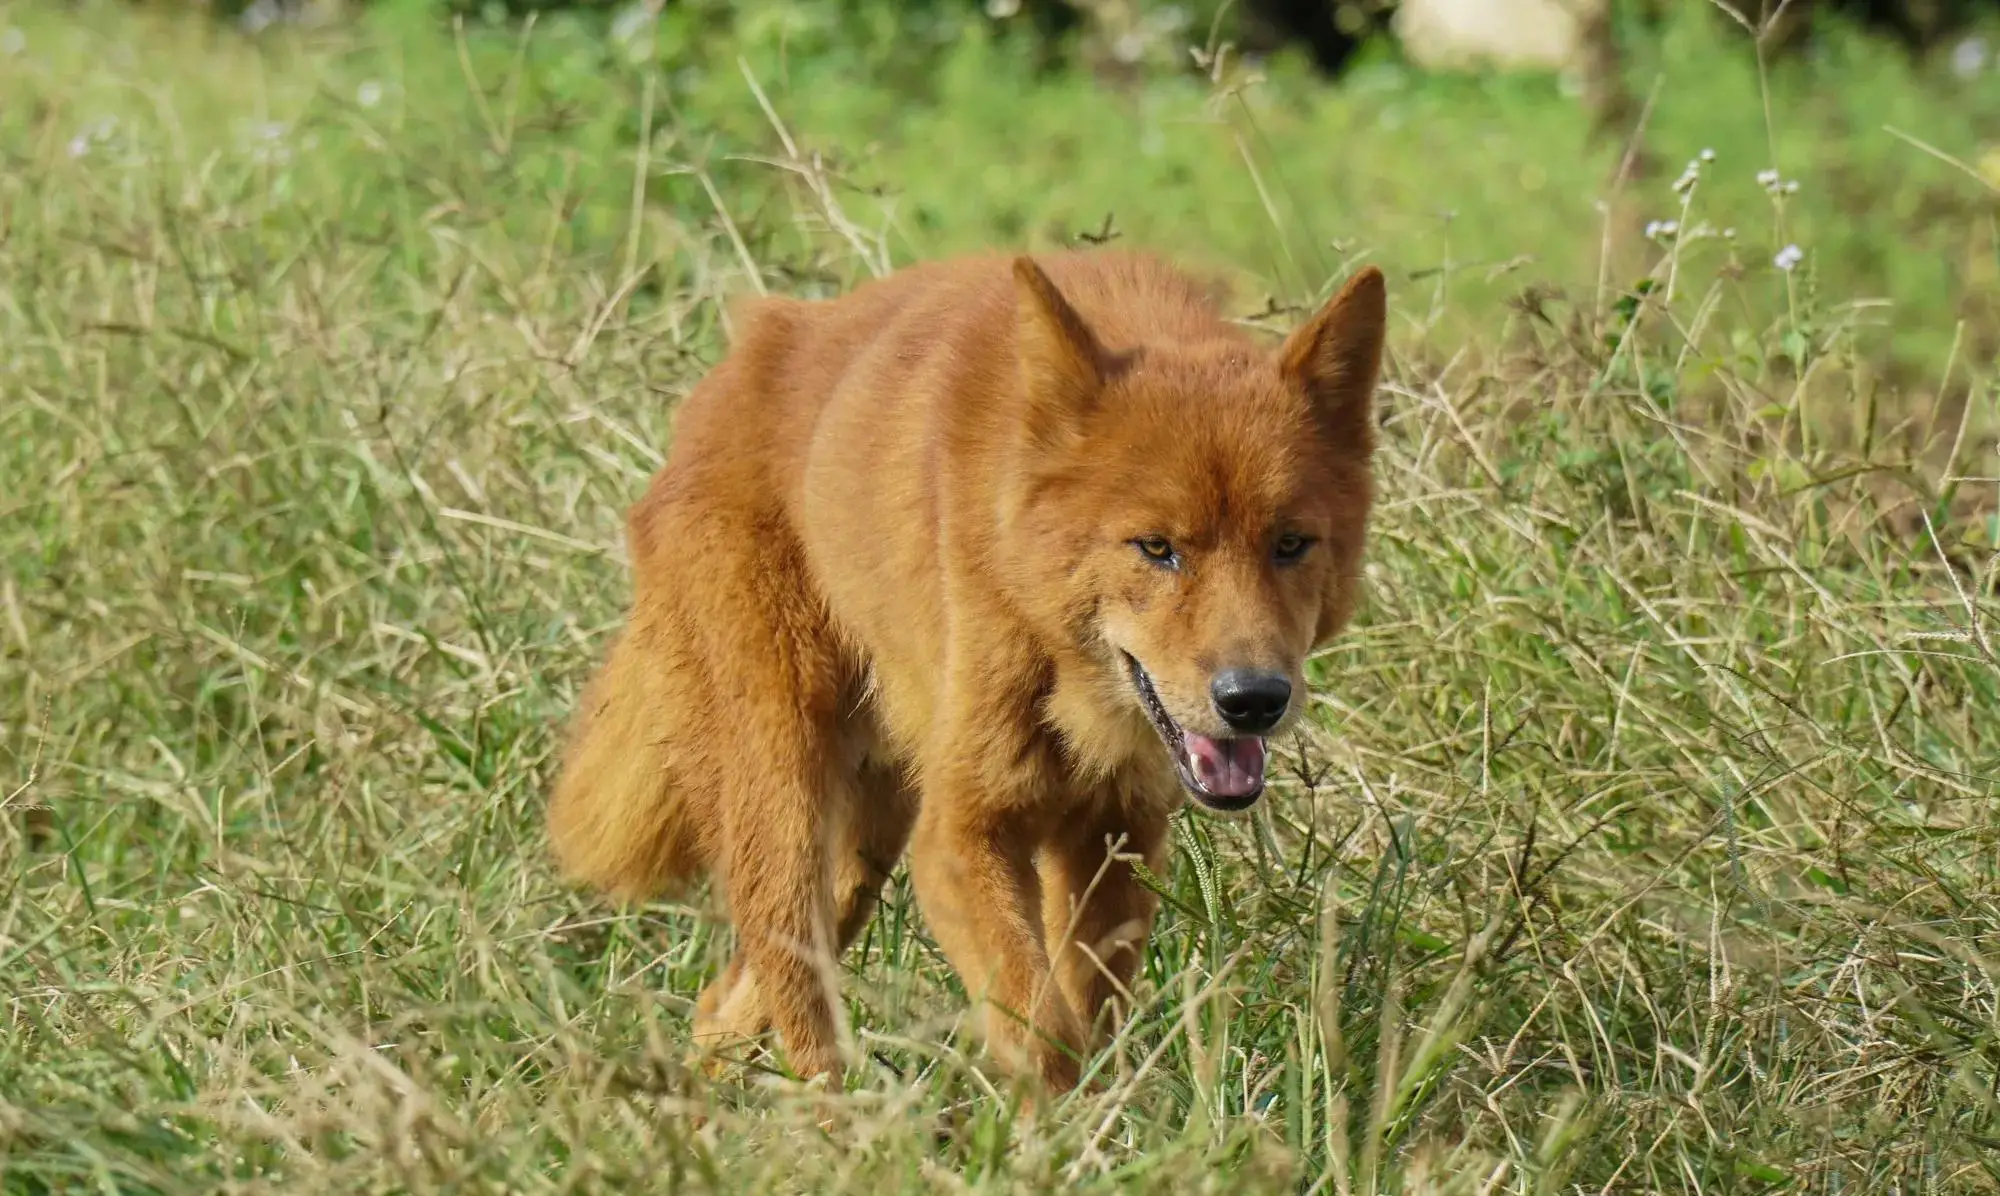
(1646, 840)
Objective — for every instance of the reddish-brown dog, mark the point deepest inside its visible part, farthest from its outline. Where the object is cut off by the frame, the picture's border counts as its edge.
(996, 560)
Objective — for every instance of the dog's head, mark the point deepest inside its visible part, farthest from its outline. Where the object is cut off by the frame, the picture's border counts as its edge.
(1203, 505)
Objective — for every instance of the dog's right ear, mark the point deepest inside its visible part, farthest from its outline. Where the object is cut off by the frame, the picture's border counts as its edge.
(1060, 361)
(1337, 356)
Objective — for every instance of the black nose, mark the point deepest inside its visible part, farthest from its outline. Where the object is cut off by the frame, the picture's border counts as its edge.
(1250, 701)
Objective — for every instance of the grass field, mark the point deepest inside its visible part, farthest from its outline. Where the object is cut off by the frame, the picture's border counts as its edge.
(1646, 837)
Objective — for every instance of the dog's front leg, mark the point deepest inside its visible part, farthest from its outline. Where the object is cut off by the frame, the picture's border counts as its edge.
(974, 871)
(1096, 914)
(985, 808)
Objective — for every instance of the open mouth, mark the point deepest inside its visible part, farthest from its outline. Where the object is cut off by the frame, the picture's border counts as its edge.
(1223, 774)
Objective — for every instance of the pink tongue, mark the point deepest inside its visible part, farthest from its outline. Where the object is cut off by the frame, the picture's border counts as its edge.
(1226, 767)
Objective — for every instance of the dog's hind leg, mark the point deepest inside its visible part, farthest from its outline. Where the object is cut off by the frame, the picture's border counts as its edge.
(881, 809)
(776, 677)
(866, 817)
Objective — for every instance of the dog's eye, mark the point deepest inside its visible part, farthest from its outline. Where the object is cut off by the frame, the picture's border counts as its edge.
(1157, 550)
(1290, 547)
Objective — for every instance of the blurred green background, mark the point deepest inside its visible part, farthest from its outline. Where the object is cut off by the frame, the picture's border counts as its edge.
(945, 126)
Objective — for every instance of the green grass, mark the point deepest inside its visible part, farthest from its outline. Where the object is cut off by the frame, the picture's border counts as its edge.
(1646, 840)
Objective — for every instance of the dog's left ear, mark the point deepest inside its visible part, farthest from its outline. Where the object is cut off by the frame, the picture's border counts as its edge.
(1062, 366)
(1337, 355)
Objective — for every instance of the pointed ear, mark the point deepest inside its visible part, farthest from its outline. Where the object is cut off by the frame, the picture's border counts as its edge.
(1337, 355)
(1061, 363)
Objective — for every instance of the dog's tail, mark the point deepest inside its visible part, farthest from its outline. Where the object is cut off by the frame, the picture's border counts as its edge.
(617, 820)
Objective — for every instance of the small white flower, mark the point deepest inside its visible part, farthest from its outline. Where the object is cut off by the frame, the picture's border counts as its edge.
(96, 132)
(1777, 184)
(1657, 230)
(632, 31)
(630, 24)
(1969, 57)
(1788, 258)
(1000, 10)
(368, 94)
(12, 41)
(1729, 234)
(266, 141)
(1692, 175)
(260, 16)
